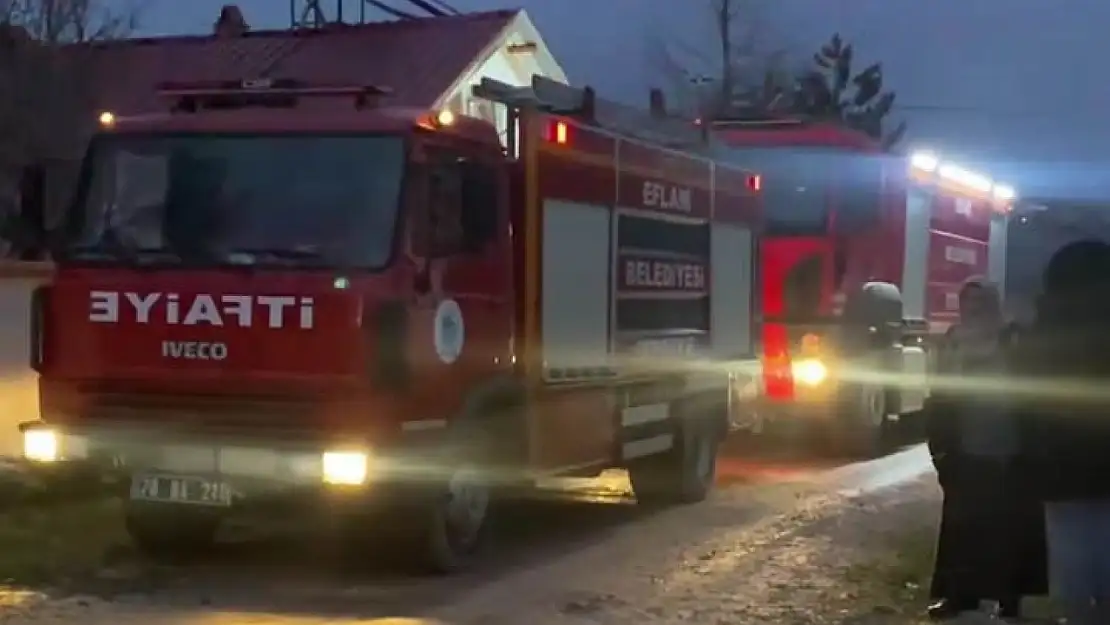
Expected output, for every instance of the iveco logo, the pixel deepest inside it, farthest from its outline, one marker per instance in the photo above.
(194, 350)
(241, 311)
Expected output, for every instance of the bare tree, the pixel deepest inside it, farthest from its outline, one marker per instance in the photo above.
(47, 85)
(70, 21)
(743, 67)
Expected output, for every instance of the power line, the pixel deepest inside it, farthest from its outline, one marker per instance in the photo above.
(394, 12)
(446, 7)
(428, 7)
(981, 111)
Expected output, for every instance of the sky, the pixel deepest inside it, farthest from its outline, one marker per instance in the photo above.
(1016, 88)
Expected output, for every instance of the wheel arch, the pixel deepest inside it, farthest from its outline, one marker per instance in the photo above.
(495, 407)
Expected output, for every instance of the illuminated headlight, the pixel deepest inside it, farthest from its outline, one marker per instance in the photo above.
(40, 445)
(348, 468)
(810, 371)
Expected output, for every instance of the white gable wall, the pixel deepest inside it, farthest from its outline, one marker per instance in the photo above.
(515, 68)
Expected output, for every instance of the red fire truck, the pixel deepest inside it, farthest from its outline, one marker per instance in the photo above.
(861, 261)
(278, 292)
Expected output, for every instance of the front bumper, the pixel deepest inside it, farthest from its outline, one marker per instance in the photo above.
(251, 465)
(809, 404)
(797, 410)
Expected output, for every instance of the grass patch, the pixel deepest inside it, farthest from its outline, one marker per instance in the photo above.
(58, 543)
(57, 522)
(896, 579)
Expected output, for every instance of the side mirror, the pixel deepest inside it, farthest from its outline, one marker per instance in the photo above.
(480, 199)
(422, 219)
(422, 224)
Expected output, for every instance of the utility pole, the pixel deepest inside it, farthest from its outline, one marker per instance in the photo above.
(725, 14)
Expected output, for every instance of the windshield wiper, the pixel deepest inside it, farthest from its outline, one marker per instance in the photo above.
(140, 255)
(251, 255)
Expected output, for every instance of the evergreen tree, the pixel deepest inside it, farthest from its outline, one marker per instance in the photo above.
(830, 90)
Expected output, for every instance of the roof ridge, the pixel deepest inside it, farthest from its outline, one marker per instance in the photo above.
(339, 27)
(428, 55)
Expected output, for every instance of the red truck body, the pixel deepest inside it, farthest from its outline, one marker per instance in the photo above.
(412, 299)
(966, 226)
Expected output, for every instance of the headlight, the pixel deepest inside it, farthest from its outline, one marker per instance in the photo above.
(40, 445)
(810, 371)
(347, 468)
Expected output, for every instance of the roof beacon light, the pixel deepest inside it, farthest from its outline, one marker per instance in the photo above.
(445, 118)
(190, 97)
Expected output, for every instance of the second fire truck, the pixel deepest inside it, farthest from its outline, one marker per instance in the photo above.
(861, 261)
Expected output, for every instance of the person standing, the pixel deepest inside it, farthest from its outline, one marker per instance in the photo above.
(991, 539)
(1064, 368)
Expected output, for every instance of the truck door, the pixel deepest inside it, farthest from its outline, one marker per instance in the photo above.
(460, 245)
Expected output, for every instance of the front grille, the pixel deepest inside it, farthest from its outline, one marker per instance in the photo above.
(75, 405)
(196, 409)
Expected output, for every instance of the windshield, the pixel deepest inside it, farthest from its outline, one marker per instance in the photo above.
(322, 200)
(801, 184)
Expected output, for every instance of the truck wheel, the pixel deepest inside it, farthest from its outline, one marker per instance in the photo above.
(861, 425)
(434, 528)
(685, 473)
(442, 525)
(167, 532)
(457, 520)
(455, 509)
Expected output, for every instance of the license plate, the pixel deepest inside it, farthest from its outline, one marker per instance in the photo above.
(181, 489)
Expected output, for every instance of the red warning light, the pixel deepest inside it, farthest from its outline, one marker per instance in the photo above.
(558, 132)
(755, 183)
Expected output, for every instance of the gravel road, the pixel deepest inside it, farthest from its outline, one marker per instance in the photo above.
(593, 559)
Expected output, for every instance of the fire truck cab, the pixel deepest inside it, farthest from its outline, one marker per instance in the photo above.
(289, 294)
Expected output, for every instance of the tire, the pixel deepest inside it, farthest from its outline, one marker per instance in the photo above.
(685, 473)
(438, 521)
(424, 529)
(454, 510)
(458, 521)
(170, 533)
(861, 424)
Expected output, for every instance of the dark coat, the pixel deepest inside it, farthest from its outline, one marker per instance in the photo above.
(991, 543)
(1063, 364)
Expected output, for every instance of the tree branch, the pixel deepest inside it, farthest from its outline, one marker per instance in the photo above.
(71, 21)
(742, 70)
(46, 86)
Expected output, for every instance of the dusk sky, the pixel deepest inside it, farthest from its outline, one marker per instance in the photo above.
(1016, 87)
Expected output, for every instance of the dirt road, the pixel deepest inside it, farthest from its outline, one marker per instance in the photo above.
(561, 563)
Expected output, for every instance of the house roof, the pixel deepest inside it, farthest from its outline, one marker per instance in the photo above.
(418, 59)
